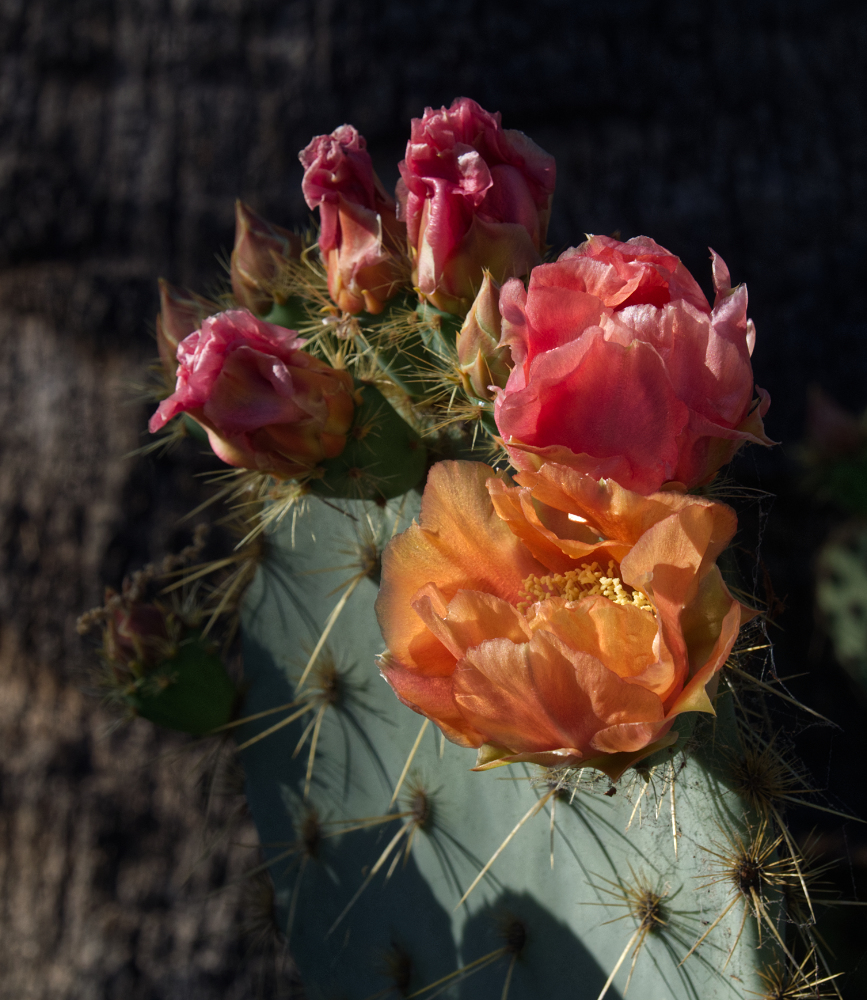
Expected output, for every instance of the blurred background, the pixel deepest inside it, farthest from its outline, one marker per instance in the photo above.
(127, 129)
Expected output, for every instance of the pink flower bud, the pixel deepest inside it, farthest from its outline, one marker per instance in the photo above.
(260, 249)
(623, 370)
(482, 362)
(474, 196)
(181, 312)
(265, 403)
(361, 240)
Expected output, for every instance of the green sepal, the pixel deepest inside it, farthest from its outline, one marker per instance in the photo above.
(195, 429)
(190, 692)
(383, 458)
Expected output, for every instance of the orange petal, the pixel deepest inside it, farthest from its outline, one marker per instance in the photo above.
(542, 696)
(460, 543)
(615, 512)
(469, 619)
(621, 637)
(432, 697)
(629, 736)
(554, 539)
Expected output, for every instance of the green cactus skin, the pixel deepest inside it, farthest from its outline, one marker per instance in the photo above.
(292, 313)
(565, 917)
(384, 457)
(191, 692)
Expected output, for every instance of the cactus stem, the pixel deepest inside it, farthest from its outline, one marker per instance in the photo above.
(252, 718)
(674, 833)
(535, 808)
(643, 903)
(316, 725)
(419, 816)
(397, 965)
(260, 927)
(392, 844)
(505, 994)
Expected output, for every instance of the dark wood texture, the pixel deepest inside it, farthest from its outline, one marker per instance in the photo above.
(127, 128)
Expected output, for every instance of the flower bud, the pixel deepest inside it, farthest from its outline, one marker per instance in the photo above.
(482, 362)
(474, 196)
(260, 249)
(181, 312)
(163, 669)
(137, 636)
(361, 238)
(265, 403)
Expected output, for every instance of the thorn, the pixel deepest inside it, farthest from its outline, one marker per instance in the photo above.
(536, 807)
(406, 766)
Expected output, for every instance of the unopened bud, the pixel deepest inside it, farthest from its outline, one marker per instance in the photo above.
(138, 636)
(482, 362)
(361, 240)
(260, 250)
(181, 313)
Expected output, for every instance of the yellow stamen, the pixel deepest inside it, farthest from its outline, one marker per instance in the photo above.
(585, 581)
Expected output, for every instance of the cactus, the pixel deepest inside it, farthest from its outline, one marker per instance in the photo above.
(375, 828)
(398, 871)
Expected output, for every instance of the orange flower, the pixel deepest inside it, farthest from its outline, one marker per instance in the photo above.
(560, 621)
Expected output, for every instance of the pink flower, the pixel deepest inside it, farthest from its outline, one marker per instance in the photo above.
(361, 240)
(623, 370)
(474, 196)
(264, 402)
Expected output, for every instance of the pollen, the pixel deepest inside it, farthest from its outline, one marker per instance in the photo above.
(585, 581)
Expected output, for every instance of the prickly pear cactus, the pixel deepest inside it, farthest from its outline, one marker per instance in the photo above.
(334, 380)
(380, 839)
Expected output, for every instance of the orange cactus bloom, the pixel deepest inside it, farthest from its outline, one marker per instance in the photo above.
(562, 620)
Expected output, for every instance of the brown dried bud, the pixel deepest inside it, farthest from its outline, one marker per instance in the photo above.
(181, 312)
(260, 249)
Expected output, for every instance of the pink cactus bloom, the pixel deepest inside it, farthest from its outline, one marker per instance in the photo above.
(265, 403)
(624, 371)
(361, 240)
(474, 196)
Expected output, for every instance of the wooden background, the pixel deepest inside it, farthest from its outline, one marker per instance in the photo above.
(127, 128)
